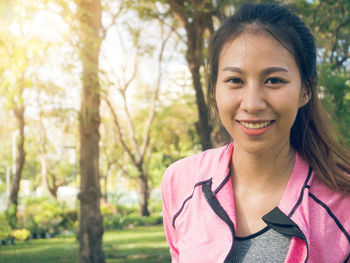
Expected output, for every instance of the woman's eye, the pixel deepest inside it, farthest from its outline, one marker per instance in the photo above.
(274, 81)
(234, 80)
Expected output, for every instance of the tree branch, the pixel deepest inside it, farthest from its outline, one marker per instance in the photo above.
(336, 36)
(129, 120)
(122, 168)
(146, 137)
(178, 9)
(131, 128)
(133, 75)
(113, 22)
(173, 29)
(119, 130)
(340, 62)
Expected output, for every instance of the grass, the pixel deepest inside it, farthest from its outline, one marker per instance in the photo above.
(140, 244)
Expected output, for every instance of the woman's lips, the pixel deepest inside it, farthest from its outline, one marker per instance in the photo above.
(255, 127)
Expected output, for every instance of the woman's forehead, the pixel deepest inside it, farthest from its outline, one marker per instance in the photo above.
(263, 47)
(257, 44)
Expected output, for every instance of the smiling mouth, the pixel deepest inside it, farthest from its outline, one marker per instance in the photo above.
(255, 124)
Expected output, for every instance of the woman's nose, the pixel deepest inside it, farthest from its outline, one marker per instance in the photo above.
(253, 99)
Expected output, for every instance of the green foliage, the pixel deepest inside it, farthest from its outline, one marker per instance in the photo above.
(335, 93)
(136, 220)
(5, 228)
(11, 216)
(69, 220)
(107, 209)
(117, 216)
(42, 215)
(329, 21)
(148, 9)
(174, 129)
(21, 234)
(112, 222)
(125, 210)
(5, 148)
(115, 208)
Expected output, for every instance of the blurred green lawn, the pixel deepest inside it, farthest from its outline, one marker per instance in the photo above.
(140, 244)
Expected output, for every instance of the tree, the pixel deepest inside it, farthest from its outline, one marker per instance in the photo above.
(86, 21)
(15, 78)
(330, 23)
(18, 109)
(197, 19)
(90, 219)
(24, 54)
(50, 176)
(137, 148)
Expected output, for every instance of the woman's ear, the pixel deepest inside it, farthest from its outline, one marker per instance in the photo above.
(305, 96)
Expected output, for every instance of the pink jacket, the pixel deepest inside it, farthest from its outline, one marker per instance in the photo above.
(199, 214)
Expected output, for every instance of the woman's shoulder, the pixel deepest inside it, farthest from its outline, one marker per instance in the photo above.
(187, 172)
(319, 188)
(334, 203)
(198, 162)
(185, 176)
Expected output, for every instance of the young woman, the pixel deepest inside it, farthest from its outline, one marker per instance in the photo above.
(281, 191)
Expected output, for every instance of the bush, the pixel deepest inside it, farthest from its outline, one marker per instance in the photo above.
(41, 216)
(45, 217)
(111, 222)
(125, 210)
(136, 220)
(70, 219)
(5, 229)
(20, 234)
(108, 209)
(119, 222)
(11, 216)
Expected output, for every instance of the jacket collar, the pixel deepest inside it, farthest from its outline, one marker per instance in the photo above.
(223, 167)
(299, 179)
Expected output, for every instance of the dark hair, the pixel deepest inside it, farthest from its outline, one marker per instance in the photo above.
(311, 134)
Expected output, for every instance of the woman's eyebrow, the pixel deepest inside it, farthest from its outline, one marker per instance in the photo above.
(233, 69)
(265, 71)
(273, 69)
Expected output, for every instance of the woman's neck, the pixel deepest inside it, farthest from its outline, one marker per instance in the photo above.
(262, 172)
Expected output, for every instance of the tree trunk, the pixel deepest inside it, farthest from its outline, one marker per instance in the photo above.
(90, 219)
(44, 175)
(16, 179)
(47, 187)
(196, 22)
(203, 126)
(194, 57)
(143, 193)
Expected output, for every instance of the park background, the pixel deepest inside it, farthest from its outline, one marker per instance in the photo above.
(98, 97)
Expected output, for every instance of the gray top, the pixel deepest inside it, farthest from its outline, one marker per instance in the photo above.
(266, 245)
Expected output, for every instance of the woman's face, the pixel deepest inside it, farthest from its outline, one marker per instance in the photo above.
(258, 92)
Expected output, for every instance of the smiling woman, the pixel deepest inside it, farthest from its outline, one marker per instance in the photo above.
(280, 191)
(258, 93)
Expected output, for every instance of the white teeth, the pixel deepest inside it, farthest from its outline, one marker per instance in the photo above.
(252, 125)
